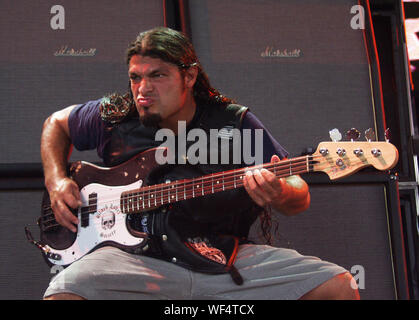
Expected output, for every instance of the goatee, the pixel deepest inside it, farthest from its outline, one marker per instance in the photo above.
(151, 120)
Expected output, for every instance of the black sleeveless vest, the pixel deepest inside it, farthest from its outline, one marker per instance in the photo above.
(224, 218)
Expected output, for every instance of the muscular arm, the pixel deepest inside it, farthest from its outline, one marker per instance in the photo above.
(55, 149)
(289, 195)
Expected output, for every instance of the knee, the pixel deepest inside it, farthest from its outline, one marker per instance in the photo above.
(340, 287)
(64, 296)
(344, 287)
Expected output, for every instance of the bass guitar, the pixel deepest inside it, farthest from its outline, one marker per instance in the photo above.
(110, 195)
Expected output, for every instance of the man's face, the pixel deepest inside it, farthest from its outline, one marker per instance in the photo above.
(161, 93)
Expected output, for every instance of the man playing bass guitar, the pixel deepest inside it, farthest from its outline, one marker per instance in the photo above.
(197, 248)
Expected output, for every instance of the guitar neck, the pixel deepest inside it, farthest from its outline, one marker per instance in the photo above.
(152, 197)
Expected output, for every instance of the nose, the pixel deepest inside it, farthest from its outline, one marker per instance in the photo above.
(145, 86)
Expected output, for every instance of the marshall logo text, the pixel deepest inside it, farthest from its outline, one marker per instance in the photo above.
(270, 52)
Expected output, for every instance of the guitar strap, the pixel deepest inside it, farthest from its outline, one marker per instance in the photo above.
(185, 253)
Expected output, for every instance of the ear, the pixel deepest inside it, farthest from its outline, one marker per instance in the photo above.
(190, 76)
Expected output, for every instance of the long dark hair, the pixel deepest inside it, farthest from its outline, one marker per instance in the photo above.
(174, 47)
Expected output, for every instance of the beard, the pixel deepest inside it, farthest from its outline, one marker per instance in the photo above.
(151, 119)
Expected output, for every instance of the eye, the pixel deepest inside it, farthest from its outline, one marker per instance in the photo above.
(157, 75)
(134, 77)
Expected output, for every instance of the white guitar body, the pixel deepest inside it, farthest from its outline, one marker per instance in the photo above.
(105, 225)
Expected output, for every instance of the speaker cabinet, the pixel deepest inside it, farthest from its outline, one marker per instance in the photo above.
(355, 225)
(306, 67)
(24, 273)
(53, 55)
(409, 206)
(303, 67)
(59, 55)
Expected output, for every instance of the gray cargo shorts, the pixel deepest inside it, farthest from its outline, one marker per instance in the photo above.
(268, 273)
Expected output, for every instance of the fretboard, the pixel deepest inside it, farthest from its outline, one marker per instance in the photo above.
(154, 196)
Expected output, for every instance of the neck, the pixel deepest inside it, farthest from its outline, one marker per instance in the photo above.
(154, 196)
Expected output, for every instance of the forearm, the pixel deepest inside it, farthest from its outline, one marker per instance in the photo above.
(294, 197)
(55, 149)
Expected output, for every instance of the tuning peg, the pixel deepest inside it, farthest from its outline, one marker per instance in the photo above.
(369, 134)
(353, 134)
(387, 135)
(335, 135)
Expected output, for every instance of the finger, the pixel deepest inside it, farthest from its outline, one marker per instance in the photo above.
(73, 190)
(65, 217)
(253, 189)
(72, 200)
(273, 181)
(76, 193)
(275, 158)
(259, 201)
(265, 180)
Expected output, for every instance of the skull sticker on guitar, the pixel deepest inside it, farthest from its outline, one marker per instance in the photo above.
(108, 220)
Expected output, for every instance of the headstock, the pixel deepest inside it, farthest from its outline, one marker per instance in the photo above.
(343, 158)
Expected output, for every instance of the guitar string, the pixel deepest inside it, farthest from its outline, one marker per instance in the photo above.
(182, 184)
(227, 184)
(229, 174)
(199, 188)
(185, 186)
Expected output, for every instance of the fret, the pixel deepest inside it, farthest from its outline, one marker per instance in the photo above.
(290, 169)
(184, 189)
(123, 203)
(132, 202)
(308, 167)
(168, 195)
(149, 197)
(126, 207)
(193, 189)
(223, 181)
(234, 177)
(126, 203)
(202, 185)
(172, 196)
(212, 183)
(155, 197)
(152, 197)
